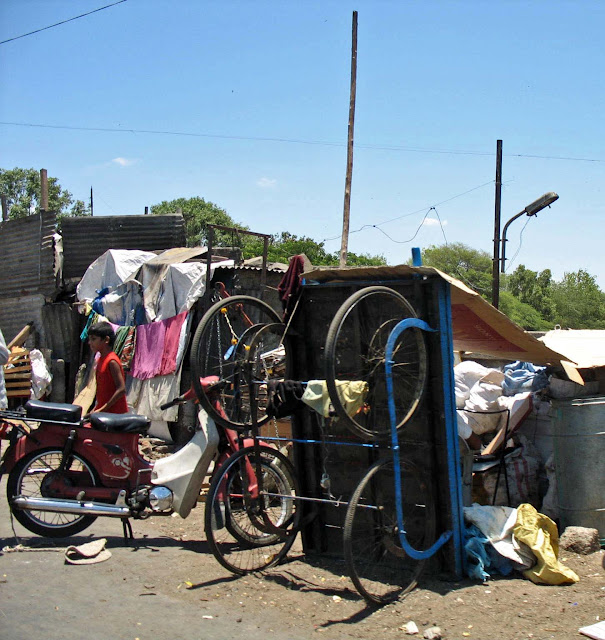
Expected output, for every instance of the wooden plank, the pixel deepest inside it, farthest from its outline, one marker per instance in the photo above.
(21, 337)
(19, 385)
(17, 375)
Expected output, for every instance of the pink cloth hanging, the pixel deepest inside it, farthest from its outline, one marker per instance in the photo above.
(171, 343)
(149, 349)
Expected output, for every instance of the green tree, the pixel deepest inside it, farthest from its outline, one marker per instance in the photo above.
(285, 245)
(579, 303)
(534, 289)
(522, 314)
(198, 214)
(22, 189)
(471, 266)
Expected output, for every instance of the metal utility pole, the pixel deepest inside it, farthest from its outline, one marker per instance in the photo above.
(43, 190)
(344, 246)
(91, 203)
(496, 260)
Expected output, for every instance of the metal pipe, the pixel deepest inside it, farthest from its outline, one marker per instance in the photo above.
(71, 506)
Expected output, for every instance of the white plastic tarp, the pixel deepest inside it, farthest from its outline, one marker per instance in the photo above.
(110, 270)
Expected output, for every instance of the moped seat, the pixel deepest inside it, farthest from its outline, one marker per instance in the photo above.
(53, 411)
(120, 422)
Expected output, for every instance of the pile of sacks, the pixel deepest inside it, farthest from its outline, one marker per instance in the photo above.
(484, 395)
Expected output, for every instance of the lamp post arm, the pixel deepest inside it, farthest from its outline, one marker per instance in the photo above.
(503, 258)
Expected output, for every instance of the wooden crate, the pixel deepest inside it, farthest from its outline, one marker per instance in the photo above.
(18, 373)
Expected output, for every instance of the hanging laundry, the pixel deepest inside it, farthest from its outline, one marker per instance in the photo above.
(124, 345)
(171, 343)
(147, 360)
(352, 394)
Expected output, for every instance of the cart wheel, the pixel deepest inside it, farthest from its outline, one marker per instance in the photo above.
(378, 566)
(355, 350)
(219, 348)
(240, 526)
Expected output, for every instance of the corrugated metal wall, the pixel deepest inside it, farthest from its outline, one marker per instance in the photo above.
(28, 256)
(85, 239)
(27, 248)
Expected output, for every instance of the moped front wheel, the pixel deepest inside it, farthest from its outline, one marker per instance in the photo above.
(37, 476)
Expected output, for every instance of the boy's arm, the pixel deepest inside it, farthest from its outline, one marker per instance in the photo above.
(118, 380)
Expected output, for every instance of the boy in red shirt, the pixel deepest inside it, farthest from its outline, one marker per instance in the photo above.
(111, 388)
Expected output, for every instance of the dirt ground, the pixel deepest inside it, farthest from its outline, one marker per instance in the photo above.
(307, 596)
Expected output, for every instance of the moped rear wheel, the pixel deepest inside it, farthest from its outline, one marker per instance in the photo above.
(32, 476)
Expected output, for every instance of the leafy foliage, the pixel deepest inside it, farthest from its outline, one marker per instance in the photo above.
(471, 266)
(285, 245)
(579, 302)
(22, 188)
(534, 289)
(522, 314)
(198, 214)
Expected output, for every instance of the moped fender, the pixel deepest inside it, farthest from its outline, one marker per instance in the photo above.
(23, 447)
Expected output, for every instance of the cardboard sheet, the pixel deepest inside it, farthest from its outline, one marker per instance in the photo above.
(477, 326)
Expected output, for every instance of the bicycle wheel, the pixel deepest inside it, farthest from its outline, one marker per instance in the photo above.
(236, 515)
(378, 566)
(355, 350)
(38, 476)
(219, 348)
(266, 360)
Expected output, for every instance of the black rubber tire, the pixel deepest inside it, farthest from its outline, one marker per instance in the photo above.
(222, 330)
(251, 533)
(378, 566)
(45, 523)
(224, 524)
(262, 365)
(355, 350)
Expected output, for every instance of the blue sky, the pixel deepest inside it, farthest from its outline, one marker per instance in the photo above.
(255, 98)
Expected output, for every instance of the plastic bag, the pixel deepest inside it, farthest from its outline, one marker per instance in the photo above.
(41, 376)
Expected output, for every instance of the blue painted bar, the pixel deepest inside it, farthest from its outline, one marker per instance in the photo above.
(408, 323)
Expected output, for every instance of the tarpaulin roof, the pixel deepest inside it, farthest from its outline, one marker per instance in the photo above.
(477, 326)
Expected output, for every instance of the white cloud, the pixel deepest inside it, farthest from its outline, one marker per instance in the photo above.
(266, 183)
(123, 162)
(433, 222)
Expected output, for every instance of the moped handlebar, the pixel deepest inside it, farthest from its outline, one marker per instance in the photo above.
(210, 384)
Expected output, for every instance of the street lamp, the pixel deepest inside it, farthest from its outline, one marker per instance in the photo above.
(530, 210)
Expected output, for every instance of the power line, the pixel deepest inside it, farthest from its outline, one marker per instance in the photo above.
(31, 33)
(407, 215)
(324, 143)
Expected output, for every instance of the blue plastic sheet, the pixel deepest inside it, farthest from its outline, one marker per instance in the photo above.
(481, 556)
(523, 376)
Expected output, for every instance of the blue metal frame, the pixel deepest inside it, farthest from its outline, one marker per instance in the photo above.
(450, 426)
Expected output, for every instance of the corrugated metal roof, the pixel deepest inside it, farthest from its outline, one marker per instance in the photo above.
(85, 239)
(27, 248)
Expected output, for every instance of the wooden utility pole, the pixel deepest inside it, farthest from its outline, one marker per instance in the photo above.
(344, 246)
(496, 260)
(91, 202)
(4, 208)
(43, 190)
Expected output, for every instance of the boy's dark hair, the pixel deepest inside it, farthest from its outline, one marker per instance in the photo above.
(102, 330)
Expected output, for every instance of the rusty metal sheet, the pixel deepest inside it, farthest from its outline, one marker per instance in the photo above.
(85, 239)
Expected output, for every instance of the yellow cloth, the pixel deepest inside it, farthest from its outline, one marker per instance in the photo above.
(539, 533)
(352, 394)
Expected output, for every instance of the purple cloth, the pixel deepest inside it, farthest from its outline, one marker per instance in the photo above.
(147, 360)
(171, 343)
